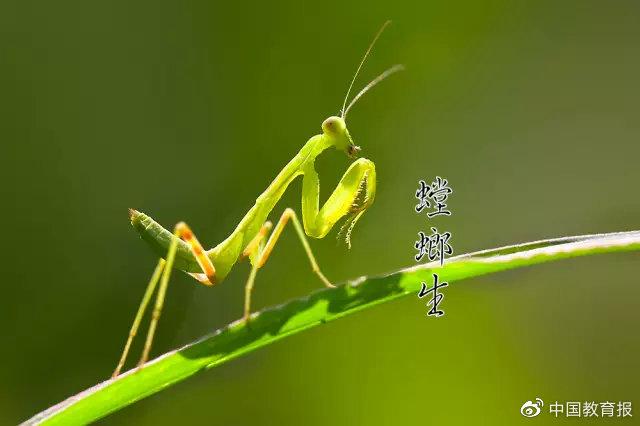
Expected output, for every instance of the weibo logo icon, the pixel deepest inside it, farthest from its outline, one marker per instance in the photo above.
(530, 408)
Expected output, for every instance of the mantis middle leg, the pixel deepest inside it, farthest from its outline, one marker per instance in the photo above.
(259, 252)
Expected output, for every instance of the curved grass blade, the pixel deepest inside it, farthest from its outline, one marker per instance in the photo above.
(273, 324)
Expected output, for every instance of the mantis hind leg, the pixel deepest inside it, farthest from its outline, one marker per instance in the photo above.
(258, 251)
(161, 274)
(138, 318)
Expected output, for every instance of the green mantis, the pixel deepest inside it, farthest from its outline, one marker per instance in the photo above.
(255, 236)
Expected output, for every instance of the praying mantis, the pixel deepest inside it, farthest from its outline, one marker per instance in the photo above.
(255, 237)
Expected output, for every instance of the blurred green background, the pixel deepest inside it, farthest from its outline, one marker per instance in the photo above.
(187, 110)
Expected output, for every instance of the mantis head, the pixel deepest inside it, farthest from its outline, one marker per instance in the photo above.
(335, 129)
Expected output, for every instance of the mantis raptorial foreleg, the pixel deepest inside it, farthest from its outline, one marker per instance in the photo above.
(162, 273)
(259, 253)
(353, 195)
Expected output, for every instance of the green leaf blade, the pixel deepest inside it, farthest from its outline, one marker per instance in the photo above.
(273, 324)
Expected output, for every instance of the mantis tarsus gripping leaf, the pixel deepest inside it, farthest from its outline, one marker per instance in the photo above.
(254, 237)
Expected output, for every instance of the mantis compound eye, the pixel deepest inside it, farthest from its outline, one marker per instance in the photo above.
(333, 125)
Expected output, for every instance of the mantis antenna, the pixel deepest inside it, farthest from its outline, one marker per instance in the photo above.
(364, 58)
(394, 69)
